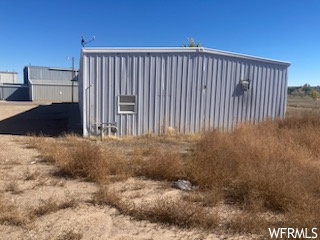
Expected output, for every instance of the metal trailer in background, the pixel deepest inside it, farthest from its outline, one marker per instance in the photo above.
(14, 92)
(136, 91)
(51, 84)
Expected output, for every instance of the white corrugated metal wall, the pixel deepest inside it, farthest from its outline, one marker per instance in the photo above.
(188, 90)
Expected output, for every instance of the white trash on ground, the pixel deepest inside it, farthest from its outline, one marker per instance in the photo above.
(184, 185)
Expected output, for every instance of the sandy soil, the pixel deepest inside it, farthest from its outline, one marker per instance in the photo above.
(27, 182)
(18, 163)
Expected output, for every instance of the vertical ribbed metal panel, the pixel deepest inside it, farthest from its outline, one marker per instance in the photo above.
(49, 74)
(187, 91)
(14, 92)
(54, 92)
(8, 77)
(51, 84)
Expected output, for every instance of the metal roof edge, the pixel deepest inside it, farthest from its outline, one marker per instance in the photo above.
(52, 68)
(139, 49)
(245, 56)
(182, 49)
(64, 69)
(52, 83)
(8, 72)
(13, 85)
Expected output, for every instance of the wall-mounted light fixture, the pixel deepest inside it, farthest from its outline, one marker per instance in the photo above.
(245, 85)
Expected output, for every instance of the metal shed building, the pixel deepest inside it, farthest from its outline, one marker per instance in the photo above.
(135, 91)
(8, 77)
(14, 92)
(51, 84)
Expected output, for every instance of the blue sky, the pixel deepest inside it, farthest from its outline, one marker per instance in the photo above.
(47, 32)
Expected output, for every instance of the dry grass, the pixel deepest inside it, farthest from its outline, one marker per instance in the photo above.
(248, 222)
(301, 105)
(177, 212)
(273, 166)
(81, 158)
(270, 168)
(9, 214)
(164, 210)
(158, 165)
(28, 175)
(13, 187)
(70, 235)
(51, 205)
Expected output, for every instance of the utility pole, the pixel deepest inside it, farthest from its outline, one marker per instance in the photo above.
(73, 79)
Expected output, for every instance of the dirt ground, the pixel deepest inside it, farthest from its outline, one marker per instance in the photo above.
(298, 105)
(29, 185)
(18, 162)
(50, 119)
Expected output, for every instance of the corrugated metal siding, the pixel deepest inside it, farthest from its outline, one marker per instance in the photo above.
(14, 92)
(8, 77)
(48, 74)
(51, 84)
(189, 92)
(54, 92)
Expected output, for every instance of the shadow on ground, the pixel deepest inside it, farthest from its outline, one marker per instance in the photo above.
(51, 120)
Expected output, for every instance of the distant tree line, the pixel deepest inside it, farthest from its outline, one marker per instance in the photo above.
(305, 90)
